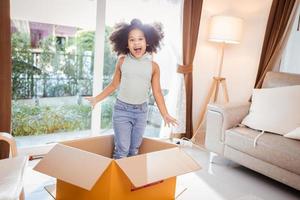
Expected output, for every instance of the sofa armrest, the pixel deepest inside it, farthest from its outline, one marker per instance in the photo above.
(11, 141)
(220, 118)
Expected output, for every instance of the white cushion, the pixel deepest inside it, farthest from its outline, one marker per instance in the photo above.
(275, 110)
(294, 134)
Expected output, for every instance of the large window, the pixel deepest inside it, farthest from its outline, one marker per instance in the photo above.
(52, 56)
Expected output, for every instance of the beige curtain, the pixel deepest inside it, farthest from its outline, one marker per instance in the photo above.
(5, 74)
(279, 25)
(191, 20)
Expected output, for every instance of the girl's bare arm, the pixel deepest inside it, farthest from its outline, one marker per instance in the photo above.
(114, 84)
(159, 98)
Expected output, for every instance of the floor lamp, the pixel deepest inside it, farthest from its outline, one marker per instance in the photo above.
(223, 30)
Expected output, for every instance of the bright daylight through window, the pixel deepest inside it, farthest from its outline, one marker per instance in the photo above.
(53, 52)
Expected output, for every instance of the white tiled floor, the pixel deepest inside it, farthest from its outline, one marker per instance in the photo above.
(230, 182)
(212, 182)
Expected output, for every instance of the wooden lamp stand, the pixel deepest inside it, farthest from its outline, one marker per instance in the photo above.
(214, 92)
(223, 29)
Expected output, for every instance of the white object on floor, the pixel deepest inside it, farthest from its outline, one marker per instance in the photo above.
(11, 177)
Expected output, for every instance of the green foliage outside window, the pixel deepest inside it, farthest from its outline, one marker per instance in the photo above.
(35, 120)
(58, 68)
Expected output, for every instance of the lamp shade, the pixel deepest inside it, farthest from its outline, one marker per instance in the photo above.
(225, 29)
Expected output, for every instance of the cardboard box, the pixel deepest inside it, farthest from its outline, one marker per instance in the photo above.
(85, 171)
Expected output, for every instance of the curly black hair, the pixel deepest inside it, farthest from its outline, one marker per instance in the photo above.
(119, 37)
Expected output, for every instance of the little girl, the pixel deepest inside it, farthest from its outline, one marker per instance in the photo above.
(134, 73)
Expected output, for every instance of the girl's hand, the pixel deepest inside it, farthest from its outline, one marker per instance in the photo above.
(92, 101)
(170, 120)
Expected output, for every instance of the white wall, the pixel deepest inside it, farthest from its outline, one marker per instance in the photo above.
(240, 61)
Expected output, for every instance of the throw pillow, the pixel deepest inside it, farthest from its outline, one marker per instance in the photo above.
(275, 110)
(295, 134)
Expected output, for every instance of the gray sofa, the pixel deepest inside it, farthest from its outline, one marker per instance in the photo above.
(274, 156)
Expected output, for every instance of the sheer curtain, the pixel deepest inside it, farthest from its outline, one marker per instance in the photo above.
(290, 61)
(168, 58)
(175, 99)
(183, 82)
(279, 25)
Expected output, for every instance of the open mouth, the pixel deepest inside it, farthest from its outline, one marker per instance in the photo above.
(137, 50)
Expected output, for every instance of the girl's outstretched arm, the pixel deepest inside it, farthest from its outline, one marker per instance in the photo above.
(114, 84)
(156, 89)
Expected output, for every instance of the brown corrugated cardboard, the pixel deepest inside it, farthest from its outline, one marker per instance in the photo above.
(73, 165)
(102, 145)
(84, 175)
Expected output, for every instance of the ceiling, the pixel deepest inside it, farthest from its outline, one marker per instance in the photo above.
(76, 13)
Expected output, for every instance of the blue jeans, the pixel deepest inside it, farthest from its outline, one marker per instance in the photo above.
(129, 123)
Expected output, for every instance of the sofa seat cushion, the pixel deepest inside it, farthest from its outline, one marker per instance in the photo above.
(272, 148)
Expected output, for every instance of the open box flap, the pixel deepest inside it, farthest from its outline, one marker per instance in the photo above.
(102, 145)
(156, 166)
(80, 168)
(151, 144)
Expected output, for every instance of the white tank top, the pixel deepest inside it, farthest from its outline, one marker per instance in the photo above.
(136, 74)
